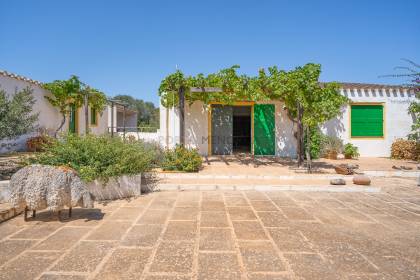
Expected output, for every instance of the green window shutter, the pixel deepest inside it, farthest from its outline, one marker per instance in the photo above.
(367, 121)
(93, 116)
(72, 118)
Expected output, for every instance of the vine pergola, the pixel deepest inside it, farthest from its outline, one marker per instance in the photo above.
(308, 102)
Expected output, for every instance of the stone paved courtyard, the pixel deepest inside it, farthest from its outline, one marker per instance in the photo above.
(224, 235)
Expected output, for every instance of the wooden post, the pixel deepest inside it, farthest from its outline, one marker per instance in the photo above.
(86, 103)
(181, 105)
(112, 119)
(124, 123)
(25, 214)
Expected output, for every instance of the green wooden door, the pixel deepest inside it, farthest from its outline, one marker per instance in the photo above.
(72, 119)
(264, 129)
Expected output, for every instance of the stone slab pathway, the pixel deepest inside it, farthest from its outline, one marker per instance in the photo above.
(224, 235)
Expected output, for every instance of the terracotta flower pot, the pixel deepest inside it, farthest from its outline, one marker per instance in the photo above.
(348, 156)
(332, 155)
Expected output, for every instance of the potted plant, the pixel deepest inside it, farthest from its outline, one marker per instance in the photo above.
(332, 147)
(350, 151)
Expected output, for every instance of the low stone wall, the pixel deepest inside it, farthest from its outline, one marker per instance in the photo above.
(4, 191)
(145, 136)
(116, 188)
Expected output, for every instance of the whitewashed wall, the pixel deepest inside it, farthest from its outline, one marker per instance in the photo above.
(196, 127)
(169, 127)
(397, 123)
(145, 136)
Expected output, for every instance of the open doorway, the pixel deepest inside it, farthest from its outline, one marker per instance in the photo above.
(241, 129)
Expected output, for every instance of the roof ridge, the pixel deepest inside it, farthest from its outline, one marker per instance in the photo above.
(352, 85)
(20, 78)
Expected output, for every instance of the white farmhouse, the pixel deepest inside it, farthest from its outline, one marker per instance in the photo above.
(113, 119)
(376, 116)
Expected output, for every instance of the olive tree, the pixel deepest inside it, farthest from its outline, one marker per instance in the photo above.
(16, 113)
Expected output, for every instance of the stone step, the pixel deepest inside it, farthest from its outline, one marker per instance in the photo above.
(7, 212)
(371, 173)
(242, 182)
(267, 187)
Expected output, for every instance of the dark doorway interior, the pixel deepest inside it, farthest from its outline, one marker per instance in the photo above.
(242, 129)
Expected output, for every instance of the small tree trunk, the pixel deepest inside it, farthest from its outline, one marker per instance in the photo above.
(61, 126)
(308, 150)
(181, 105)
(300, 148)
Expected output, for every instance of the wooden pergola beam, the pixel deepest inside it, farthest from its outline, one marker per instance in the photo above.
(205, 89)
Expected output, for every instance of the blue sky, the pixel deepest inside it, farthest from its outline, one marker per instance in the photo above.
(127, 47)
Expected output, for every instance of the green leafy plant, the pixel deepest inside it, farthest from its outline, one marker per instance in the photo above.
(316, 142)
(181, 159)
(73, 91)
(97, 157)
(414, 110)
(351, 151)
(16, 117)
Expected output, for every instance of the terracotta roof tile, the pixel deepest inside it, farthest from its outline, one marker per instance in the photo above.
(20, 78)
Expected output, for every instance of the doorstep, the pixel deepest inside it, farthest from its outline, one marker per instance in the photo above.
(303, 188)
(371, 173)
(403, 174)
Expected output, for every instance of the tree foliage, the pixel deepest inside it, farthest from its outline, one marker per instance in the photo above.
(147, 113)
(72, 91)
(16, 117)
(270, 84)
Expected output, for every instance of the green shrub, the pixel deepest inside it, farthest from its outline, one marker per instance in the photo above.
(155, 150)
(98, 157)
(351, 151)
(181, 159)
(317, 140)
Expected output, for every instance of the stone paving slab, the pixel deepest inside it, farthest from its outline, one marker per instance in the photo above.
(224, 235)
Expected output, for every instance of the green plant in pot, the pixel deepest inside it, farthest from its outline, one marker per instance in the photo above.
(350, 151)
(332, 146)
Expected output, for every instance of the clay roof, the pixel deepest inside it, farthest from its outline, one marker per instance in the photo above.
(20, 78)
